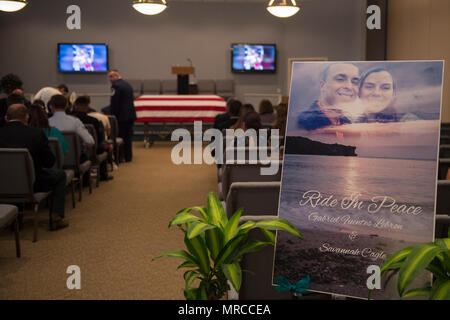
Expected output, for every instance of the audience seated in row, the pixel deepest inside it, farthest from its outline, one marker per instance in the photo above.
(17, 134)
(266, 112)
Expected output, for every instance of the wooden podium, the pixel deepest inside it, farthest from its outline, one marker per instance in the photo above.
(183, 78)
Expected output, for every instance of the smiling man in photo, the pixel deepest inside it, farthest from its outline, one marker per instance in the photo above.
(339, 87)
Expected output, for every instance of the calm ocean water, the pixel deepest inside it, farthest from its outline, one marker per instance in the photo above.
(409, 182)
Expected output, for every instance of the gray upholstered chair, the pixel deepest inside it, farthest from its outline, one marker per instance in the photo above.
(206, 87)
(137, 86)
(225, 88)
(116, 141)
(72, 161)
(247, 172)
(55, 146)
(151, 86)
(257, 198)
(169, 86)
(9, 214)
(97, 159)
(17, 181)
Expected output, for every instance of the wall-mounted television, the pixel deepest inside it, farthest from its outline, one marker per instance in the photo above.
(83, 57)
(253, 58)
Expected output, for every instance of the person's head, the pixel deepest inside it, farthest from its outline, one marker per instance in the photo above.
(265, 106)
(377, 89)
(246, 108)
(339, 84)
(58, 103)
(17, 112)
(15, 98)
(38, 117)
(39, 102)
(252, 120)
(63, 89)
(282, 112)
(113, 75)
(234, 107)
(11, 83)
(82, 104)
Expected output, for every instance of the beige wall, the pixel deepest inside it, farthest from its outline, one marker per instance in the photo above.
(420, 30)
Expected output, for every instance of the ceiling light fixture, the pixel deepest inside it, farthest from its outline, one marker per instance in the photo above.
(12, 5)
(150, 7)
(283, 8)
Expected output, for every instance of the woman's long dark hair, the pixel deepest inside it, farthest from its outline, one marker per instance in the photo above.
(38, 117)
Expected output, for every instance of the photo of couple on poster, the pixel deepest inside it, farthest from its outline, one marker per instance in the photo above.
(365, 133)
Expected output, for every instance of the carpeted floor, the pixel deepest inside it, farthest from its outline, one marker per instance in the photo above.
(113, 235)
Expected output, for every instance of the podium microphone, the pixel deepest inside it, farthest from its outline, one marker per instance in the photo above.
(190, 61)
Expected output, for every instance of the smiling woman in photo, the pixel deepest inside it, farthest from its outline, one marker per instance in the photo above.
(377, 93)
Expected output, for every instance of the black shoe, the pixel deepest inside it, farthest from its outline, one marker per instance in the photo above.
(59, 224)
(107, 178)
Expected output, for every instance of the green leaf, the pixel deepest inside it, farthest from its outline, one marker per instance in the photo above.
(229, 249)
(417, 292)
(436, 268)
(246, 227)
(269, 235)
(197, 248)
(251, 246)
(178, 254)
(419, 258)
(399, 256)
(278, 224)
(444, 256)
(189, 277)
(442, 291)
(234, 274)
(183, 218)
(214, 241)
(201, 292)
(187, 264)
(216, 213)
(231, 227)
(190, 294)
(196, 228)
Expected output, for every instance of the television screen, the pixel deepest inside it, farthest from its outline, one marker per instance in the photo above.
(82, 57)
(254, 58)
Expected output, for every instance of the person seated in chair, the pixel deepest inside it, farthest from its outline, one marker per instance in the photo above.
(17, 134)
(81, 111)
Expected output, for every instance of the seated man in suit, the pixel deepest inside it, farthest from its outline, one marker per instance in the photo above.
(226, 120)
(17, 134)
(81, 111)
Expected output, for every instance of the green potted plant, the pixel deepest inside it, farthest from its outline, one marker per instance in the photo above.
(215, 246)
(411, 261)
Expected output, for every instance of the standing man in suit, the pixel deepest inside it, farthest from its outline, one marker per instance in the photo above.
(122, 106)
(17, 134)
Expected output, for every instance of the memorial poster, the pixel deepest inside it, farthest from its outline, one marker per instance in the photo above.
(360, 170)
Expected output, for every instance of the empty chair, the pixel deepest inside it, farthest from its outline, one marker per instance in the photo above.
(248, 172)
(225, 88)
(169, 86)
(55, 146)
(151, 87)
(116, 141)
(257, 198)
(442, 225)
(443, 197)
(137, 86)
(72, 161)
(17, 181)
(206, 86)
(9, 214)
